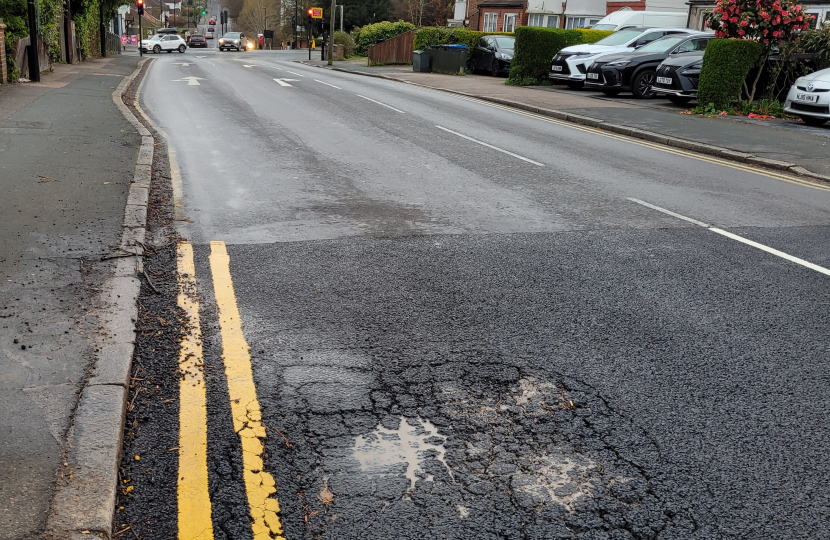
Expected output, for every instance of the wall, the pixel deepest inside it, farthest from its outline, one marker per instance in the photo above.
(611, 7)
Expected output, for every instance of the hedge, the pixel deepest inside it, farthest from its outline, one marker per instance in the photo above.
(375, 33)
(536, 47)
(428, 36)
(726, 64)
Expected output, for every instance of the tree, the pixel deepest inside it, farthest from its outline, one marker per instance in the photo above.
(770, 22)
(257, 15)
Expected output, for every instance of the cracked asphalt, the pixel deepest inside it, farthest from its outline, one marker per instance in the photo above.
(451, 341)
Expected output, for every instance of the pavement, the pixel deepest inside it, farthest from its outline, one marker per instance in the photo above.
(414, 314)
(67, 156)
(789, 141)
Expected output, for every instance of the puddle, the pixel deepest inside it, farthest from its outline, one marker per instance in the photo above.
(384, 451)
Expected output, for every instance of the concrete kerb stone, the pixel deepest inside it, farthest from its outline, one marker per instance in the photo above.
(85, 506)
(718, 151)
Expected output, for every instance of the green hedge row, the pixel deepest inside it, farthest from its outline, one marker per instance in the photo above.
(428, 36)
(536, 47)
(375, 33)
(726, 64)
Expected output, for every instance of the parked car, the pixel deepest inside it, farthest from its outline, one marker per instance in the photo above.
(493, 54)
(636, 71)
(622, 19)
(677, 77)
(809, 98)
(197, 40)
(233, 40)
(571, 63)
(163, 42)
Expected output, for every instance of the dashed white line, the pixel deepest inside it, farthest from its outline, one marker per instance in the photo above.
(762, 247)
(496, 148)
(327, 84)
(293, 73)
(379, 103)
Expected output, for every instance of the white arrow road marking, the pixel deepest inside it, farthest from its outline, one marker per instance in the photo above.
(496, 148)
(248, 66)
(191, 81)
(284, 82)
(327, 84)
(185, 64)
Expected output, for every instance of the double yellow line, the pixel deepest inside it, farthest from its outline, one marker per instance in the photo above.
(194, 516)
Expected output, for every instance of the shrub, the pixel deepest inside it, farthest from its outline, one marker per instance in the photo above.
(592, 36)
(535, 48)
(817, 43)
(344, 39)
(726, 64)
(375, 33)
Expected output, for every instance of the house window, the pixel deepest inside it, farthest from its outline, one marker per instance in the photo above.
(553, 21)
(490, 21)
(536, 19)
(580, 22)
(509, 22)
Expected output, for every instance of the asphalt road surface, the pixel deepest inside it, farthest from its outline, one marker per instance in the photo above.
(424, 316)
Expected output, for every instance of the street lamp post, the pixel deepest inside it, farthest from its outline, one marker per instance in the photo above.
(331, 30)
(264, 25)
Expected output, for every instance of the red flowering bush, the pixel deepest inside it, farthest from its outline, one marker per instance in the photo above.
(770, 22)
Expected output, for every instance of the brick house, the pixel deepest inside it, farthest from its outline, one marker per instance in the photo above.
(500, 15)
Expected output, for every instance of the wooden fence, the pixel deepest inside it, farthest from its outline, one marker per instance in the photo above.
(397, 50)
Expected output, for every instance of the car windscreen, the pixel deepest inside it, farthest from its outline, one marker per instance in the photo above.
(618, 38)
(505, 42)
(663, 44)
(604, 27)
(210, 29)
(232, 35)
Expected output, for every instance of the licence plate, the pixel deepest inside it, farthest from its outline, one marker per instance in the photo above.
(810, 98)
(593, 75)
(556, 68)
(663, 80)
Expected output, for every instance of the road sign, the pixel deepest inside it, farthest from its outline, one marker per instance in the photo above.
(316, 12)
(268, 34)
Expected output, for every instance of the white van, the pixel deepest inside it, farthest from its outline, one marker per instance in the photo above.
(627, 18)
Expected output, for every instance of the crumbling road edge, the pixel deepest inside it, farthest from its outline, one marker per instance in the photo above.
(85, 504)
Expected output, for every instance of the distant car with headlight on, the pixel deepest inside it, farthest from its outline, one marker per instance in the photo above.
(809, 98)
(233, 40)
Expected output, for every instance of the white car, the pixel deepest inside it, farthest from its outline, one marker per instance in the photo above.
(809, 98)
(571, 63)
(164, 42)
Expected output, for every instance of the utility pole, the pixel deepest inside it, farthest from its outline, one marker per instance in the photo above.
(341, 17)
(331, 30)
(102, 31)
(34, 62)
(296, 20)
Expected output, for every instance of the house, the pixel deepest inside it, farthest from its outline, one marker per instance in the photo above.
(506, 15)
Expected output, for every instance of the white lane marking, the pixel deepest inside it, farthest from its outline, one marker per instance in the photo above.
(185, 64)
(496, 148)
(379, 103)
(327, 84)
(768, 249)
(669, 212)
(762, 247)
(248, 66)
(284, 82)
(191, 81)
(293, 73)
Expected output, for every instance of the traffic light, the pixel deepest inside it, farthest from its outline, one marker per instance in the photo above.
(293, 22)
(140, 4)
(310, 12)
(204, 12)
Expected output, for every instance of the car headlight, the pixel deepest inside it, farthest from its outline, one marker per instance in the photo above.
(584, 55)
(502, 56)
(619, 63)
(221, 41)
(236, 42)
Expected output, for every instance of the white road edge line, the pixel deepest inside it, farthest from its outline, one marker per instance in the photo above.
(762, 247)
(293, 73)
(517, 156)
(669, 212)
(379, 103)
(327, 84)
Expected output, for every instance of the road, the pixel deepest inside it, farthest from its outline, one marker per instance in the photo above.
(425, 316)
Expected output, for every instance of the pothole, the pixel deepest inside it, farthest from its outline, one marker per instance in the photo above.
(415, 441)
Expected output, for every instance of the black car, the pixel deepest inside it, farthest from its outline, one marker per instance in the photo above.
(197, 40)
(636, 71)
(677, 77)
(493, 54)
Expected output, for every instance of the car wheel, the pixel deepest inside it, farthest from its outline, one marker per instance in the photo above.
(575, 85)
(495, 68)
(473, 65)
(641, 85)
(813, 121)
(156, 49)
(680, 100)
(611, 93)
(182, 48)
